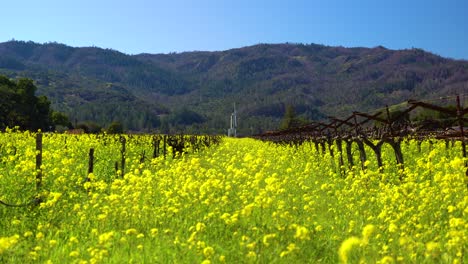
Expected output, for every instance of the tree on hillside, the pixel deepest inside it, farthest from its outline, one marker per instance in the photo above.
(60, 119)
(290, 118)
(115, 128)
(19, 106)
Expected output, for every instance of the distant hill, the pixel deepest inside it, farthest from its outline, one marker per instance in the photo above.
(195, 91)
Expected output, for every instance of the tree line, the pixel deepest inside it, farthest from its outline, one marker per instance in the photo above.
(20, 107)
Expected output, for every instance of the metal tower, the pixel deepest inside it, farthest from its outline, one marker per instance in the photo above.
(232, 131)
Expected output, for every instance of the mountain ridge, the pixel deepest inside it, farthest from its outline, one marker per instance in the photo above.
(148, 90)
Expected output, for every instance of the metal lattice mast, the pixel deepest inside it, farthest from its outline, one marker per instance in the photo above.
(232, 131)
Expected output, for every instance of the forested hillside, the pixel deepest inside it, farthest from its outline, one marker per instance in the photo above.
(195, 91)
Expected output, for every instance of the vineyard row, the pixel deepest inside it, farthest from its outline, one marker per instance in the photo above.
(162, 145)
(374, 130)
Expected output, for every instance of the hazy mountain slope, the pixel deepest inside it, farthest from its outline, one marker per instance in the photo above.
(260, 79)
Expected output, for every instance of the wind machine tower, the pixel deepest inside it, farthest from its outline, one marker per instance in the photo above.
(232, 131)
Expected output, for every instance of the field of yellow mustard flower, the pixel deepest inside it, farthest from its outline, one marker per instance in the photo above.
(242, 201)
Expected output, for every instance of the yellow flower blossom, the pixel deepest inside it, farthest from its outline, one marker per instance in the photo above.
(302, 233)
(346, 248)
(386, 260)
(208, 252)
(432, 249)
(39, 235)
(131, 231)
(245, 208)
(289, 249)
(367, 232)
(251, 255)
(267, 239)
(8, 242)
(105, 237)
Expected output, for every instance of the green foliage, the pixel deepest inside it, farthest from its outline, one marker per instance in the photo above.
(60, 119)
(90, 127)
(115, 128)
(185, 116)
(431, 119)
(291, 119)
(20, 107)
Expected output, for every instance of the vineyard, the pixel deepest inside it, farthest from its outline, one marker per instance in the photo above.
(179, 199)
(378, 128)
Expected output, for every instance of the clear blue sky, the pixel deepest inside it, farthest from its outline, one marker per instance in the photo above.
(137, 26)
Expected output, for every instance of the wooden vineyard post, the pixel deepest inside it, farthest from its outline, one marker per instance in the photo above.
(155, 147)
(38, 160)
(142, 157)
(90, 163)
(123, 140)
(164, 145)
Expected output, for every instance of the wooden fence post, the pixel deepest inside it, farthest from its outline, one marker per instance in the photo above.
(142, 157)
(156, 141)
(38, 160)
(164, 145)
(123, 140)
(90, 163)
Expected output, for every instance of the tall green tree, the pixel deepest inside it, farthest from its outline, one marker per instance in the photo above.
(60, 119)
(19, 106)
(290, 118)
